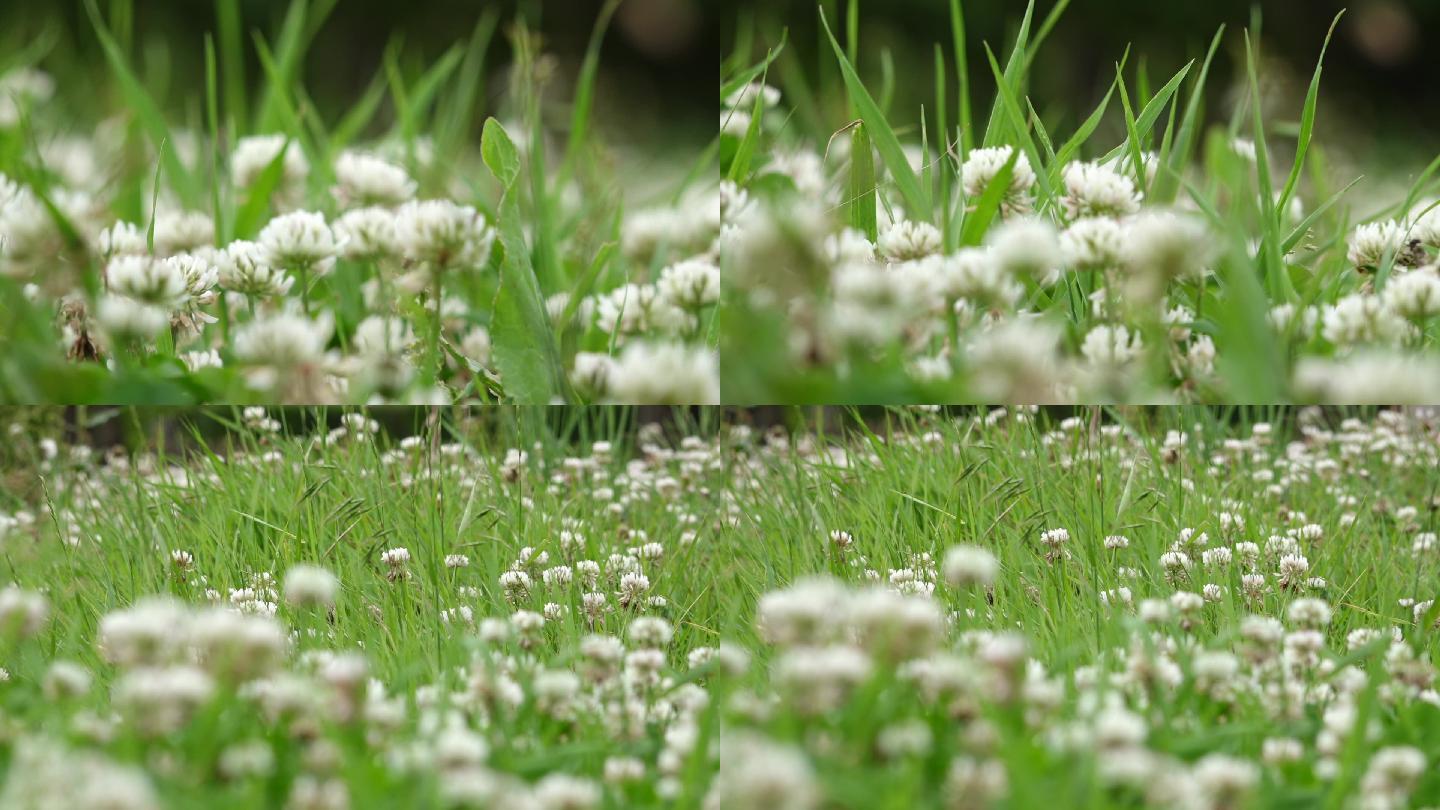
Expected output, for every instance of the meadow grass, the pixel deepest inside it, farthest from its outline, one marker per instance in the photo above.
(460, 244)
(481, 667)
(993, 247)
(1125, 608)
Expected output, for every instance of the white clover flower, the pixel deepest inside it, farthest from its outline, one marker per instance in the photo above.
(122, 239)
(149, 633)
(590, 374)
(161, 700)
(664, 373)
(443, 234)
(200, 359)
(745, 97)
(982, 166)
(380, 336)
(20, 88)
(1369, 377)
(367, 233)
(151, 281)
(734, 122)
(967, 566)
(244, 267)
(127, 320)
(1414, 295)
(686, 229)
(255, 153)
(363, 179)
(283, 340)
(1096, 243)
(1284, 317)
(971, 273)
(691, 284)
(476, 346)
(1167, 245)
(199, 277)
(300, 240)
(1112, 347)
(1425, 228)
(183, 231)
(849, 246)
(906, 240)
(1027, 248)
(1360, 318)
(1016, 360)
(1309, 613)
(1224, 780)
(1371, 243)
(22, 613)
(634, 308)
(1093, 190)
(311, 586)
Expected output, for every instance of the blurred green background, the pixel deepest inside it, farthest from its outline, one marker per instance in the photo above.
(654, 87)
(1380, 95)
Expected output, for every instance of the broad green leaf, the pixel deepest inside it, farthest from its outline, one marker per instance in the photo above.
(499, 153)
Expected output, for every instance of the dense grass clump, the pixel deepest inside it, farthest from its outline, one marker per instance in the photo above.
(1020, 254)
(435, 241)
(1168, 609)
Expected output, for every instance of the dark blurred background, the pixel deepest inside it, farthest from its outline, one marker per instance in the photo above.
(657, 63)
(1380, 95)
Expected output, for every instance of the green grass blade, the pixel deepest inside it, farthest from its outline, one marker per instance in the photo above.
(1150, 114)
(977, 222)
(1071, 147)
(459, 108)
(1307, 121)
(146, 110)
(740, 164)
(1013, 78)
(212, 123)
(525, 350)
(1187, 137)
(1309, 221)
(917, 202)
(585, 92)
(744, 77)
(1011, 106)
(289, 47)
(860, 196)
(232, 58)
(1271, 262)
(962, 75)
(248, 219)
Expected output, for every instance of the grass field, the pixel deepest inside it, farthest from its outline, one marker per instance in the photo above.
(503, 610)
(218, 239)
(510, 608)
(1005, 248)
(1170, 608)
